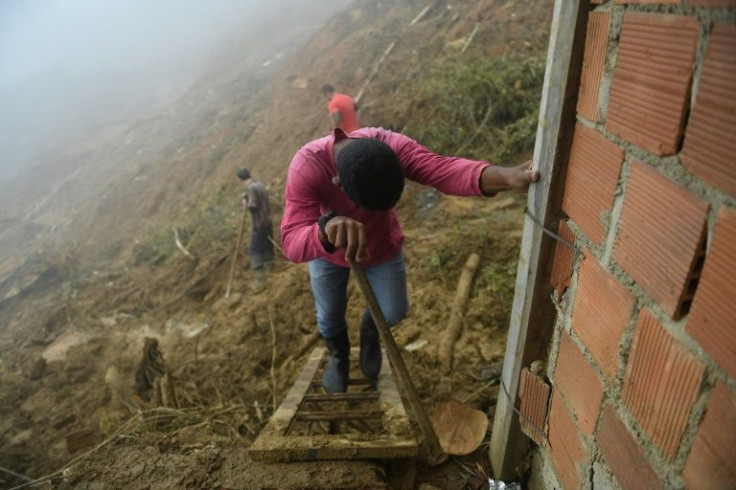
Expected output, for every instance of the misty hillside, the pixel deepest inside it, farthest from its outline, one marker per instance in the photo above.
(71, 193)
(87, 251)
(71, 68)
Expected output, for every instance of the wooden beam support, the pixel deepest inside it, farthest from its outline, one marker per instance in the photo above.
(533, 314)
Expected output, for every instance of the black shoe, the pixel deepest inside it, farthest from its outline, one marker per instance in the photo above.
(370, 347)
(337, 372)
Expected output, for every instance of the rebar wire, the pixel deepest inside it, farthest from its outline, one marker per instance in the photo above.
(551, 233)
(577, 250)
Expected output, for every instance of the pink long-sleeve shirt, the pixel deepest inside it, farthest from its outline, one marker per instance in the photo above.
(310, 192)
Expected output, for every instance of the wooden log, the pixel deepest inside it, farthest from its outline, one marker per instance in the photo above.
(455, 326)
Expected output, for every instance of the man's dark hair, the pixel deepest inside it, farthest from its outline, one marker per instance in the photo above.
(327, 88)
(370, 173)
(243, 174)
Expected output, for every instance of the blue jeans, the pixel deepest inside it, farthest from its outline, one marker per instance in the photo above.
(329, 286)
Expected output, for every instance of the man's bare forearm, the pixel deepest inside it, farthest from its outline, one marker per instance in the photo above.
(495, 179)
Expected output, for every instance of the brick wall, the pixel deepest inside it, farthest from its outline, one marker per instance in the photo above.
(643, 359)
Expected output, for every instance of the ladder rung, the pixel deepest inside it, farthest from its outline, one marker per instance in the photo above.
(343, 415)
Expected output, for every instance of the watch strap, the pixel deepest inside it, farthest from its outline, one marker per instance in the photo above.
(322, 223)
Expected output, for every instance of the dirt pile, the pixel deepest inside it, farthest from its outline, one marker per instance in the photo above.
(76, 313)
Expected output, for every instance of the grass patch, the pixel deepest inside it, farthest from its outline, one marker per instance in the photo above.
(483, 109)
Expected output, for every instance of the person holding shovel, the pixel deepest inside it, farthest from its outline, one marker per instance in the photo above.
(340, 195)
(260, 250)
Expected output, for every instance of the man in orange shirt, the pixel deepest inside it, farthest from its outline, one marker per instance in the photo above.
(341, 108)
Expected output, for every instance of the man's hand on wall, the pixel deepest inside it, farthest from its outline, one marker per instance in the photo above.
(496, 179)
(521, 176)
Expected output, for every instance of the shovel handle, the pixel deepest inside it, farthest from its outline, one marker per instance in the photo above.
(436, 455)
(235, 252)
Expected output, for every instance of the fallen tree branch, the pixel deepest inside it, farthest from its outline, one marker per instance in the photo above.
(452, 332)
(177, 241)
(421, 14)
(470, 38)
(374, 71)
(14, 474)
(478, 129)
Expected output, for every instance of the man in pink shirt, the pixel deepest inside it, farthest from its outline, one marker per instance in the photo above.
(340, 195)
(341, 108)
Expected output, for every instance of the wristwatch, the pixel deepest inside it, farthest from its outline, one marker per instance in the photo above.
(322, 223)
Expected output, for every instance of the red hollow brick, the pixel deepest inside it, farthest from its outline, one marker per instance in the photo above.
(709, 146)
(562, 261)
(594, 59)
(579, 385)
(651, 85)
(661, 237)
(712, 321)
(600, 315)
(534, 395)
(591, 181)
(568, 453)
(710, 464)
(661, 384)
(623, 454)
(713, 3)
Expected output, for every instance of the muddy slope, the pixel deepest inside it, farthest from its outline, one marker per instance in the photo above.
(87, 275)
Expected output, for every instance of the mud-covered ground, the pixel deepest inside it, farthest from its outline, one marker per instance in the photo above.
(79, 298)
(220, 353)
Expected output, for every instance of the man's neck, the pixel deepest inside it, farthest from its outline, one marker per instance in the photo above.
(339, 145)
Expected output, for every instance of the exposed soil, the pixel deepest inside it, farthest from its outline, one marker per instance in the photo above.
(89, 269)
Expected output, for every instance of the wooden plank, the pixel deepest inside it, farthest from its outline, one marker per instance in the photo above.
(338, 415)
(346, 446)
(395, 441)
(532, 315)
(282, 418)
(341, 397)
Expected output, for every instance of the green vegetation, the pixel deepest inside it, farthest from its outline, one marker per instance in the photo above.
(480, 108)
(209, 225)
